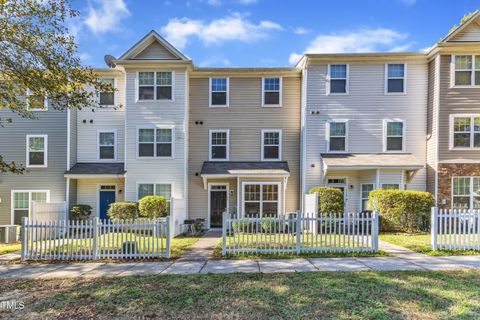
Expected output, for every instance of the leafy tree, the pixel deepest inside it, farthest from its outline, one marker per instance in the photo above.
(38, 53)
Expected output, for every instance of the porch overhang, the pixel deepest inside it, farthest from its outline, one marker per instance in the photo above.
(96, 171)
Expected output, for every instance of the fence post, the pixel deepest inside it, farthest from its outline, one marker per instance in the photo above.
(95, 238)
(375, 231)
(167, 221)
(434, 228)
(299, 228)
(224, 234)
(24, 237)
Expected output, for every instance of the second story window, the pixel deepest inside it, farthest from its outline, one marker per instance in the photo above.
(395, 78)
(219, 145)
(394, 137)
(106, 145)
(271, 145)
(218, 92)
(107, 98)
(338, 78)
(466, 132)
(467, 70)
(155, 86)
(36, 102)
(337, 136)
(37, 147)
(272, 92)
(155, 143)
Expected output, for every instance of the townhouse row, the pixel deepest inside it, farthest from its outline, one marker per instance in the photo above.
(255, 140)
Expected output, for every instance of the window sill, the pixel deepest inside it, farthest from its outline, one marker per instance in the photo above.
(395, 93)
(36, 167)
(154, 100)
(271, 160)
(338, 93)
(37, 110)
(218, 106)
(465, 149)
(271, 106)
(217, 160)
(154, 158)
(465, 87)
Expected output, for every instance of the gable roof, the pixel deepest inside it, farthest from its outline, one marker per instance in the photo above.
(461, 27)
(146, 41)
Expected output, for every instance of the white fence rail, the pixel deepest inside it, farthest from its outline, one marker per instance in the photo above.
(95, 239)
(300, 233)
(48, 211)
(455, 229)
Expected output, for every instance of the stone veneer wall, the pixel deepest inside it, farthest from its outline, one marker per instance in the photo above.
(445, 173)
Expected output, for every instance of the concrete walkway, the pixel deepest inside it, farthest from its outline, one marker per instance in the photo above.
(203, 248)
(399, 252)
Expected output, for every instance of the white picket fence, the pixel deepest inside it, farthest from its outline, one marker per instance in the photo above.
(300, 233)
(48, 211)
(455, 229)
(95, 239)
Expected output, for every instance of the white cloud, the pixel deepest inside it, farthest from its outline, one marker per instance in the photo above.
(362, 40)
(231, 28)
(106, 15)
(301, 30)
(214, 3)
(215, 61)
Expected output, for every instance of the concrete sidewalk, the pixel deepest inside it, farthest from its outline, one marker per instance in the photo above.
(87, 270)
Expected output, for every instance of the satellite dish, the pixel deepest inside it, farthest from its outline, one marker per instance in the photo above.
(109, 60)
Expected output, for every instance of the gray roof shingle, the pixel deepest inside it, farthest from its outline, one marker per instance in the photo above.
(245, 167)
(97, 168)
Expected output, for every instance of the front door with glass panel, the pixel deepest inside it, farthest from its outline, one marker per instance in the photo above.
(218, 204)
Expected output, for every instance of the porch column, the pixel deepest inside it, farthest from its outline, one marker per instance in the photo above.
(377, 179)
(238, 195)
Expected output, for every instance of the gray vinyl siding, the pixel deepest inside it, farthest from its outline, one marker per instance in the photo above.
(13, 148)
(454, 101)
(156, 51)
(431, 124)
(73, 137)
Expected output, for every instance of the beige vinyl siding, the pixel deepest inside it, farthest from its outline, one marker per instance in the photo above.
(470, 33)
(87, 191)
(432, 123)
(156, 51)
(454, 101)
(245, 117)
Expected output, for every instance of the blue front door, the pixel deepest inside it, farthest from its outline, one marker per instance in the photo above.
(106, 197)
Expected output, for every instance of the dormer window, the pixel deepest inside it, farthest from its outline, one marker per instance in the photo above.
(155, 86)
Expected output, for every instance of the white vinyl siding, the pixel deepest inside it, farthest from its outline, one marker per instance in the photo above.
(37, 151)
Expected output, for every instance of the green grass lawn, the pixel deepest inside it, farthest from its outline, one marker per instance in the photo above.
(4, 249)
(421, 243)
(316, 295)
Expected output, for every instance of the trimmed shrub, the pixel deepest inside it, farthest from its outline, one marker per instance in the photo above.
(402, 210)
(153, 207)
(330, 200)
(244, 226)
(123, 210)
(80, 212)
(269, 226)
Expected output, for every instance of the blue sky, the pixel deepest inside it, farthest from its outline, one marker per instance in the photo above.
(263, 33)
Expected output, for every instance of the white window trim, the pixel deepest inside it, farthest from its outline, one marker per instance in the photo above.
(210, 184)
(137, 87)
(452, 122)
(155, 142)
(279, 200)
(471, 196)
(114, 131)
(279, 131)
(155, 182)
(347, 81)
(327, 135)
(280, 93)
(115, 93)
(12, 203)
(210, 93)
(45, 150)
(210, 144)
(453, 73)
(361, 193)
(404, 79)
(385, 121)
(45, 103)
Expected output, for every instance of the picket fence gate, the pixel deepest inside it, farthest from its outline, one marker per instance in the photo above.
(453, 229)
(297, 233)
(95, 239)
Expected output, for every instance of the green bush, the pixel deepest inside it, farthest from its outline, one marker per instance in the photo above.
(80, 211)
(330, 200)
(153, 207)
(269, 226)
(123, 210)
(402, 210)
(244, 226)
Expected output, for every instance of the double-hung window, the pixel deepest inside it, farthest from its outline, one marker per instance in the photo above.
(467, 70)
(338, 74)
(155, 189)
(155, 85)
(271, 145)
(155, 143)
(272, 92)
(261, 199)
(36, 102)
(466, 193)
(466, 132)
(106, 145)
(219, 145)
(395, 77)
(107, 98)
(37, 150)
(394, 135)
(337, 136)
(219, 92)
(366, 189)
(21, 202)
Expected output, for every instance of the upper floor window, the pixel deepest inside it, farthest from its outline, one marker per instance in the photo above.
(466, 132)
(156, 143)
(394, 135)
(106, 145)
(395, 77)
(155, 86)
(36, 102)
(271, 145)
(107, 98)
(37, 146)
(467, 70)
(338, 74)
(272, 92)
(219, 92)
(219, 145)
(337, 136)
